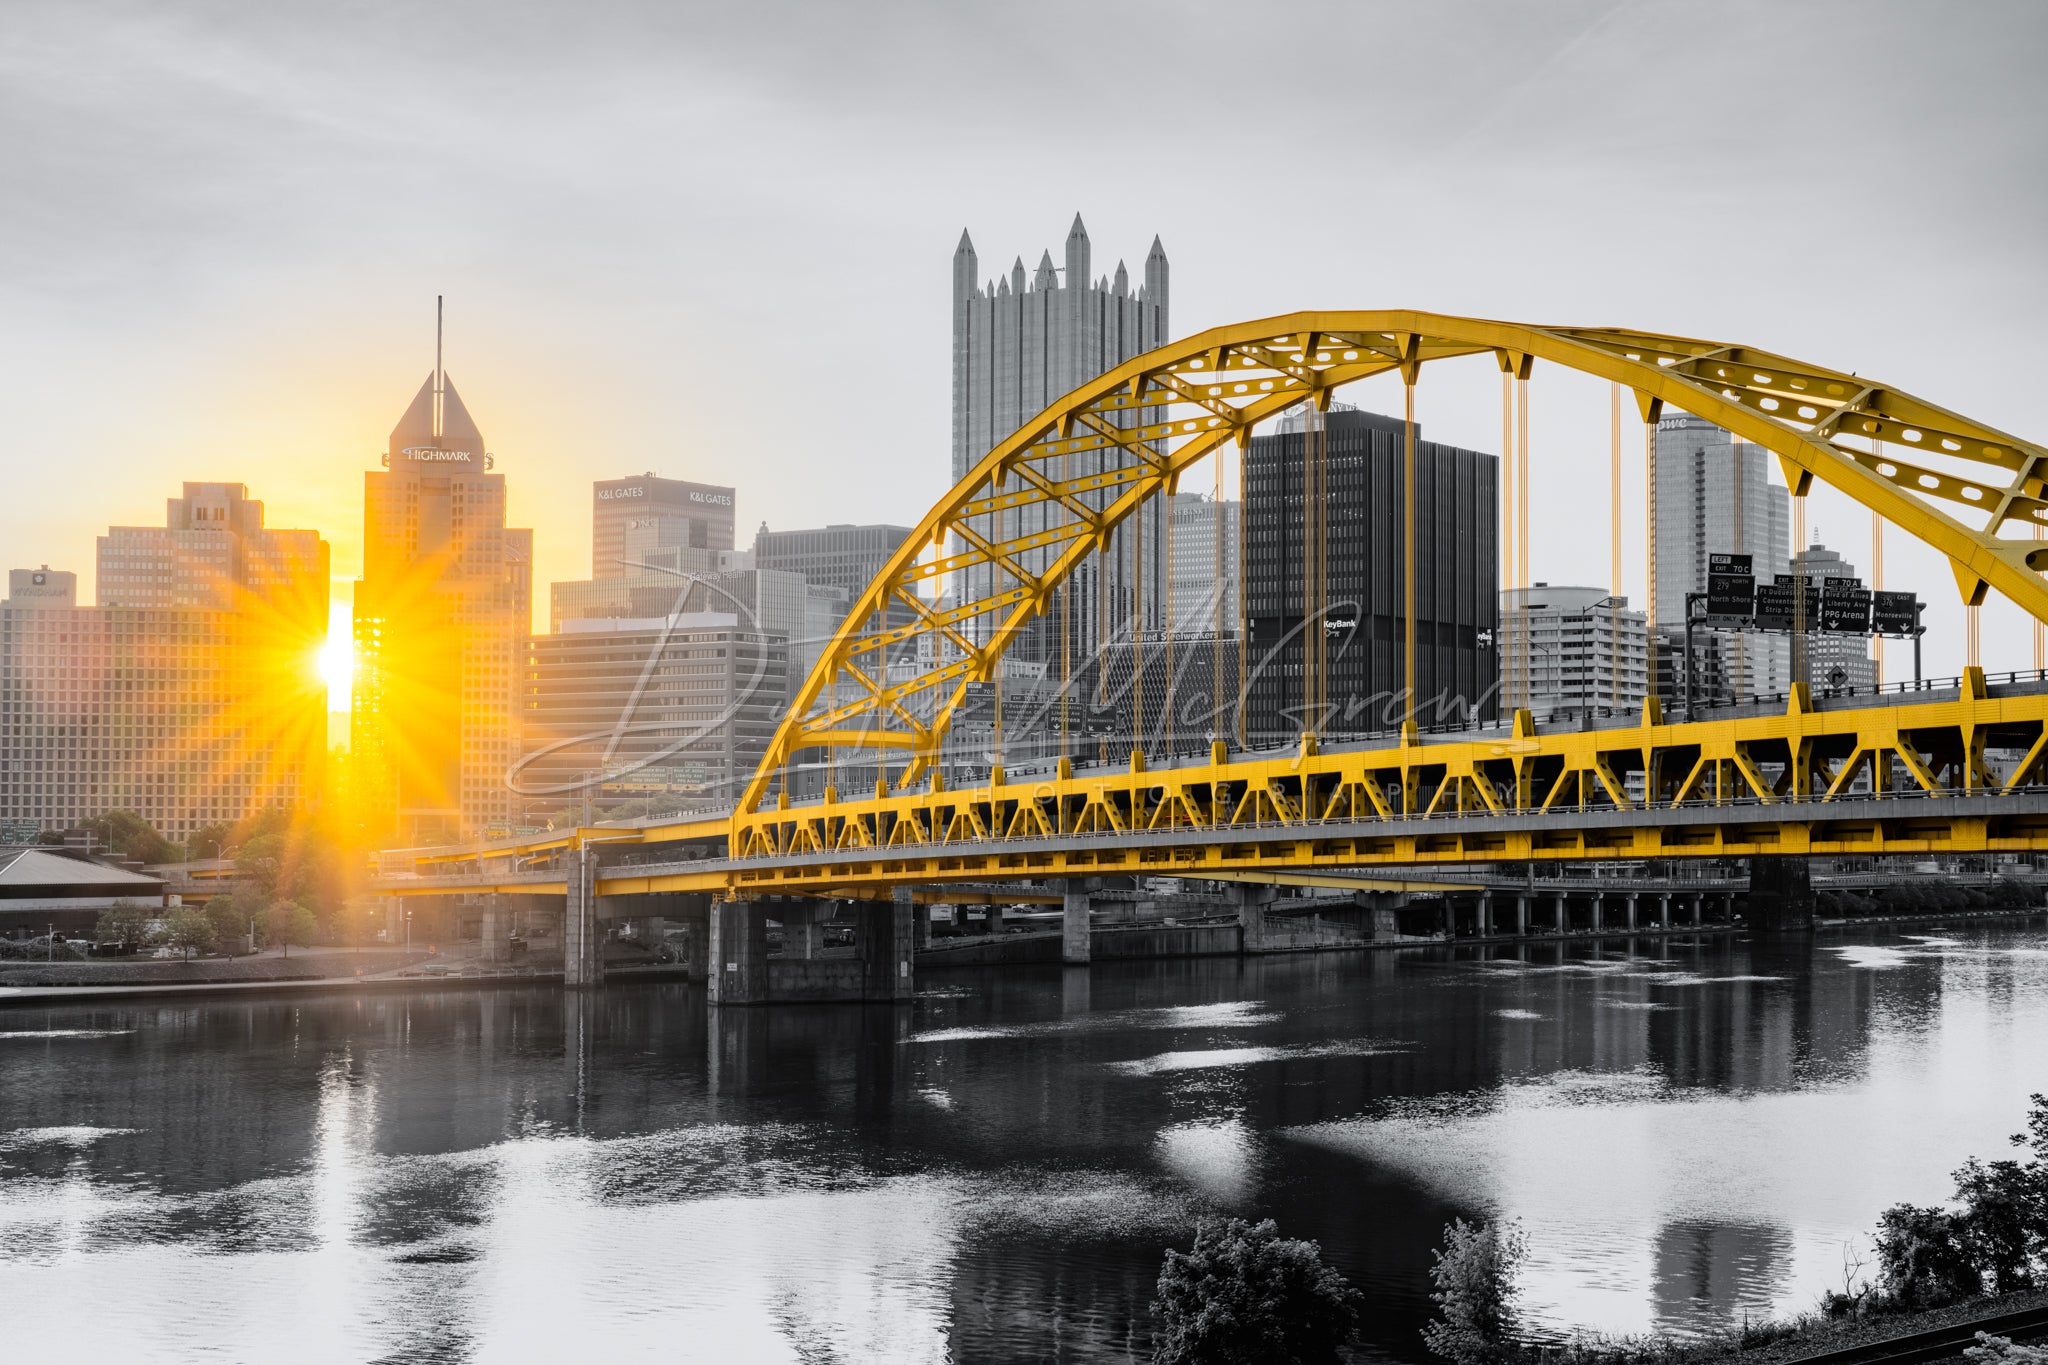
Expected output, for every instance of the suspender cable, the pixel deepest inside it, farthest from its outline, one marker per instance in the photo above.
(1614, 552)
(1225, 576)
(1408, 524)
(1066, 642)
(1167, 624)
(1650, 661)
(1244, 634)
(1504, 644)
(1522, 642)
(996, 735)
(1877, 585)
(1138, 631)
(1314, 577)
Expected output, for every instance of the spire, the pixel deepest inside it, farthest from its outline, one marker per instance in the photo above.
(1017, 276)
(1122, 286)
(965, 269)
(1077, 255)
(1045, 278)
(1156, 279)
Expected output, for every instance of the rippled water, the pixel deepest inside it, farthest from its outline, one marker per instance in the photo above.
(1688, 1133)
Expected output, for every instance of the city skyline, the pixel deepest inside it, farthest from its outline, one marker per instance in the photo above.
(253, 301)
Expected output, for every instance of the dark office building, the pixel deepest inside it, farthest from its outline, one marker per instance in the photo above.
(1362, 616)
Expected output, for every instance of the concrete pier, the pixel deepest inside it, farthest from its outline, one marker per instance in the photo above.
(1076, 914)
(1252, 901)
(739, 954)
(582, 932)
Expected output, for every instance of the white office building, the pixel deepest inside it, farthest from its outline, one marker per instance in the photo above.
(1587, 651)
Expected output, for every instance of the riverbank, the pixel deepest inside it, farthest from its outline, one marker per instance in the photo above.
(1815, 1338)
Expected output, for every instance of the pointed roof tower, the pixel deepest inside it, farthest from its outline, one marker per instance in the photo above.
(965, 269)
(416, 428)
(1156, 280)
(1077, 255)
(458, 430)
(1043, 277)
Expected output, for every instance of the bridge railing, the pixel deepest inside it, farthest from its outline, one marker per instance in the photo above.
(1195, 834)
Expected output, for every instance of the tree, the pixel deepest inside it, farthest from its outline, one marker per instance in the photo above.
(1922, 1260)
(128, 834)
(233, 913)
(1245, 1295)
(1476, 1288)
(189, 928)
(125, 922)
(208, 841)
(288, 922)
(1999, 1228)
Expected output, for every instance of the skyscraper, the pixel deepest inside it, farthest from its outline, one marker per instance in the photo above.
(213, 551)
(189, 695)
(1206, 571)
(1021, 342)
(671, 512)
(1834, 661)
(1714, 495)
(1360, 617)
(442, 615)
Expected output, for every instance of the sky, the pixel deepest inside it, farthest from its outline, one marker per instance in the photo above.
(714, 241)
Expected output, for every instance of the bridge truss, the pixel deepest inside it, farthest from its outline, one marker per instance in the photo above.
(1913, 776)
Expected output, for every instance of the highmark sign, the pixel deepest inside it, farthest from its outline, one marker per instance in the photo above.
(431, 454)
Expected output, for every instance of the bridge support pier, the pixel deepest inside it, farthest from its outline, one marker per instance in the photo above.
(1564, 914)
(582, 932)
(1486, 914)
(886, 938)
(803, 928)
(1629, 904)
(1521, 915)
(1664, 910)
(1074, 923)
(1599, 911)
(497, 933)
(992, 920)
(739, 954)
(1251, 917)
(921, 926)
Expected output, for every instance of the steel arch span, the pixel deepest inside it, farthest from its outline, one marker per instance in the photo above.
(898, 669)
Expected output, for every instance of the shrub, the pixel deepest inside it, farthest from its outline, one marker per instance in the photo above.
(1476, 1289)
(1244, 1295)
(1991, 1350)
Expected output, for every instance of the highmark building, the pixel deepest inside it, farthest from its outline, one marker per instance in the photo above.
(188, 695)
(442, 615)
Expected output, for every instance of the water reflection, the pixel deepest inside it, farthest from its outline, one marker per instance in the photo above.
(1690, 1131)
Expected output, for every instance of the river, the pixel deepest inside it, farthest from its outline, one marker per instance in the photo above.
(1688, 1131)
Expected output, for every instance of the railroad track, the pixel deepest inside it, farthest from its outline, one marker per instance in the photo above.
(1938, 1343)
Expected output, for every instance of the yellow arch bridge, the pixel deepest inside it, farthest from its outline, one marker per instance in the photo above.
(1924, 770)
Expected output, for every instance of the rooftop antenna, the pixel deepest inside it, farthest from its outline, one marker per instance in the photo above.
(440, 380)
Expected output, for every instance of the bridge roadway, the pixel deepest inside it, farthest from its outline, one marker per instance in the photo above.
(1922, 772)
